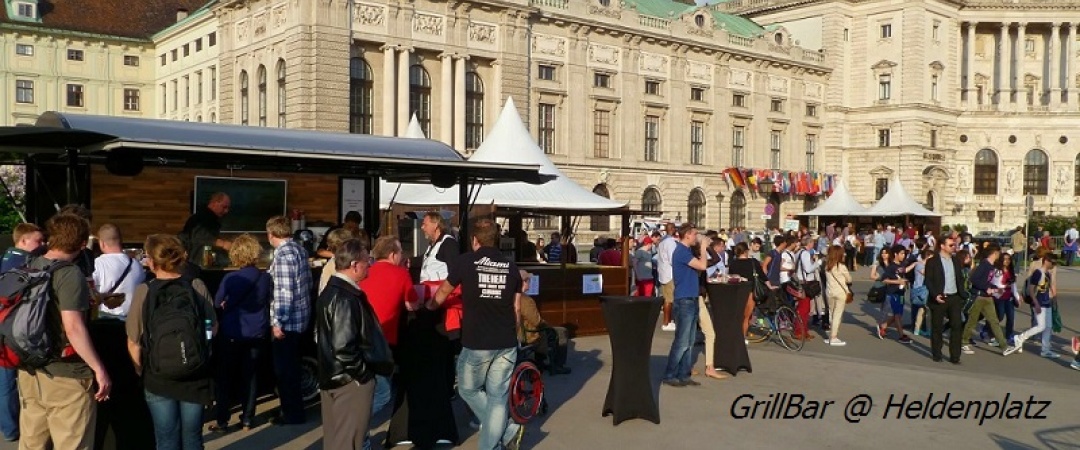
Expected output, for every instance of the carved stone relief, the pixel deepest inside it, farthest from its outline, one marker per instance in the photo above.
(281, 16)
(428, 24)
(606, 12)
(369, 15)
(482, 33)
(603, 54)
(699, 71)
(549, 45)
(740, 79)
(815, 91)
(242, 31)
(653, 63)
(1062, 179)
(260, 25)
(778, 85)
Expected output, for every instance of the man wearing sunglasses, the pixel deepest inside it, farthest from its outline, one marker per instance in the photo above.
(944, 280)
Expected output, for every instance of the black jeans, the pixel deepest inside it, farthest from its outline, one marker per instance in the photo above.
(939, 311)
(236, 355)
(287, 369)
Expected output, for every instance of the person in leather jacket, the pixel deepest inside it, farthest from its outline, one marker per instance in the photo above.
(351, 350)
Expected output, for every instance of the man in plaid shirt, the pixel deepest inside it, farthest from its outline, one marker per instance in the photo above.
(290, 314)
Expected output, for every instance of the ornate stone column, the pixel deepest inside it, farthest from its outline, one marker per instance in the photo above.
(446, 101)
(459, 102)
(1004, 75)
(388, 94)
(1070, 53)
(403, 91)
(1020, 98)
(969, 86)
(1055, 58)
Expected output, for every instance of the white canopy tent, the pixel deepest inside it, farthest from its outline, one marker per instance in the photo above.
(897, 202)
(509, 140)
(840, 203)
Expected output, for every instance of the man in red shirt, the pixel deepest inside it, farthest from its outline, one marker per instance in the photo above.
(390, 292)
(611, 256)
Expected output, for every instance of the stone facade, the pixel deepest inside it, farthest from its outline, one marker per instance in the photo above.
(973, 125)
(187, 73)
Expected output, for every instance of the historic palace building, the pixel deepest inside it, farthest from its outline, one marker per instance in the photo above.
(652, 102)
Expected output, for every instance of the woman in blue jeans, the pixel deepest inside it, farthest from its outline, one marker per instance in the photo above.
(176, 407)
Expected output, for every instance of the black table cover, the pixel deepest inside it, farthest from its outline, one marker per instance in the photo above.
(631, 322)
(727, 305)
(123, 421)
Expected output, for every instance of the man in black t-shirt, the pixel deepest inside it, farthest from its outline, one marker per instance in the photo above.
(203, 228)
(491, 294)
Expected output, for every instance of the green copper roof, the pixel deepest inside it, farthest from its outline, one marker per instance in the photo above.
(670, 9)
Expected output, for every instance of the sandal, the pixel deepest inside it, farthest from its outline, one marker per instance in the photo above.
(717, 375)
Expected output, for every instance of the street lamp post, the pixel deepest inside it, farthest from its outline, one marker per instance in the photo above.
(766, 185)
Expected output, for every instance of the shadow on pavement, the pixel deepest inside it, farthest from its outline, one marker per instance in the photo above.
(1060, 438)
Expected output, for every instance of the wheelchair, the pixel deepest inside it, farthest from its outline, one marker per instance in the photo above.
(526, 387)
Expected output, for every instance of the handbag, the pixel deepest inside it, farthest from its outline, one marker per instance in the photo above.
(810, 288)
(849, 296)
(110, 298)
(876, 294)
(761, 290)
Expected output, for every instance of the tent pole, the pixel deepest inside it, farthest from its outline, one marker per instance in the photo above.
(464, 242)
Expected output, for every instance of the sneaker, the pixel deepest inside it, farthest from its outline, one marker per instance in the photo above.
(443, 442)
(837, 342)
(1075, 365)
(1018, 344)
(673, 382)
(993, 342)
(690, 382)
(1076, 345)
(668, 327)
(1010, 350)
(515, 443)
(881, 332)
(1050, 354)
(827, 340)
(746, 342)
(905, 339)
(967, 350)
(475, 424)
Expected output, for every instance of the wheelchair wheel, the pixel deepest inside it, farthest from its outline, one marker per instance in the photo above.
(787, 323)
(526, 392)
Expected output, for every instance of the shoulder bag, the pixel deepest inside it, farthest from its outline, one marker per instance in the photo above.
(849, 297)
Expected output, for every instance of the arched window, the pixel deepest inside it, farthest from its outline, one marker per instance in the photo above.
(1076, 177)
(930, 200)
(262, 95)
(474, 110)
(213, 117)
(281, 93)
(650, 200)
(198, 118)
(695, 208)
(361, 91)
(420, 97)
(600, 223)
(245, 102)
(986, 172)
(738, 209)
(1036, 172)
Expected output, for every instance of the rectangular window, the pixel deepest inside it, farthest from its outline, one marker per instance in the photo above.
(164, 59)
(211, 40)
(131, 60)
(847, 35)
(27, 10)
(934, 87)
(1030, 94)
(652, 87)
(811, 110)
(187, 49)
(198, 45)
(75, 55)
(811, 150)
(738, 136)
(697, 94)
(172, 54)
(175, 94)
(881, 186)
(933, 138)
(199, 88)
(883, 137)
(24, 49)
(1029, 45)
(986, 216)
(75, 95)
(979, 94)
(775, 142)
(131, 99)
(601, 133)
(776, 105)
(602, 80)
(884, 87)
(652, 137)
(213, 82)
(164, 98)
(886, 30)
(545, 72)
(547, 128)
(187, 91)
(697, 142)
(936, 32)
(24, 91)
(738, 100)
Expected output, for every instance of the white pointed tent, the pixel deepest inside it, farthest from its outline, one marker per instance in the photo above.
(897, 202)
(510, 141)
(840, 203)
(389, 191)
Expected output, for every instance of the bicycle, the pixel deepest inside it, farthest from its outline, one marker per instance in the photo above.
(783, 323)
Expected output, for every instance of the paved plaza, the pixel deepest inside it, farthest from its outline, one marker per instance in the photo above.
(692, 417)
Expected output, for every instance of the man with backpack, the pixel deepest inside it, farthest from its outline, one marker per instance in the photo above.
(290, 313)
(27, 238)
(58, 397)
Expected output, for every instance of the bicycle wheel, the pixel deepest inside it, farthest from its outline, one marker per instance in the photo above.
(526, 392)
(759, 329)
(787, 322)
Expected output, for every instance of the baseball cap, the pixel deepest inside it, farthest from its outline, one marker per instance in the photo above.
(647, 240)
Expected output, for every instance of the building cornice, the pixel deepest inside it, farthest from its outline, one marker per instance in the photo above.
(70, 34)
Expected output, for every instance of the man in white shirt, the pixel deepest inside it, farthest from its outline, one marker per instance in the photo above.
(115, 273)
(664, 250)
(1069, 250)
(807, 270)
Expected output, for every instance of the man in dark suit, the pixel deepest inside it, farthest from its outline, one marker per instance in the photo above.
(945, 283)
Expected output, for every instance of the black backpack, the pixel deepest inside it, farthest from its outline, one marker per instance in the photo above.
(175, 346)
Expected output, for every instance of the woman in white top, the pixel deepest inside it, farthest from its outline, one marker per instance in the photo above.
(838, 285)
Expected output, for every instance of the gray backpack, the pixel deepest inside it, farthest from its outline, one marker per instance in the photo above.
(30, 329)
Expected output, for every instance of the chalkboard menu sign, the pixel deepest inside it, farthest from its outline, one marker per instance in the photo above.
(253, 201)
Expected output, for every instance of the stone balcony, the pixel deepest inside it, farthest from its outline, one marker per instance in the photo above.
(681, 30)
